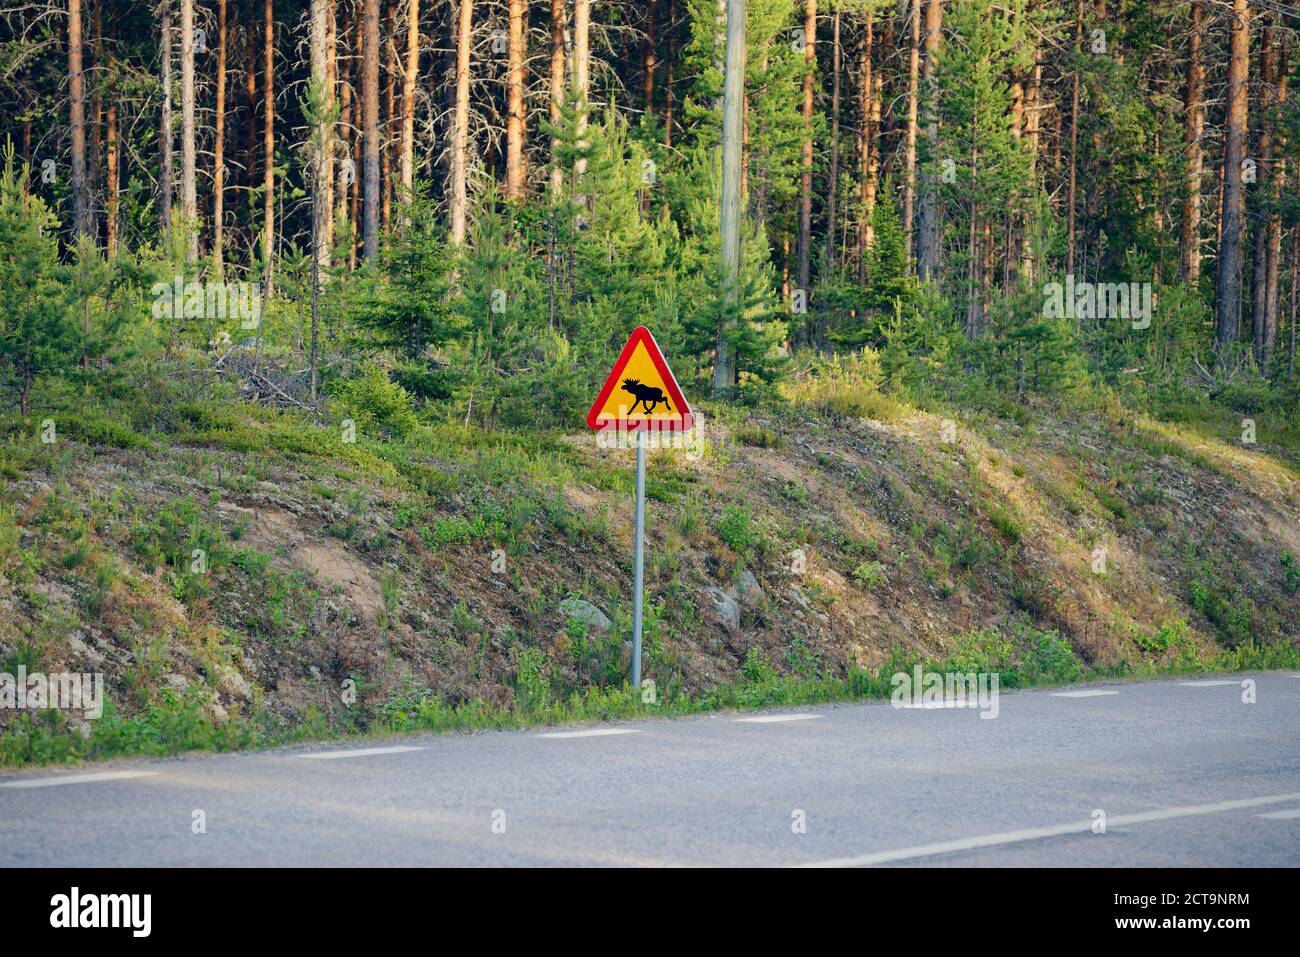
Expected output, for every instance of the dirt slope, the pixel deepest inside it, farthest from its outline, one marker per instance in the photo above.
(466, 564)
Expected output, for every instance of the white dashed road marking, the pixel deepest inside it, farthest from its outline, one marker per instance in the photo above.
(1206, 684)
(773, 718)
(938, 705)
(1288, 815)
(593, 733)
(77, 779)
(356, 753)
(1081, 694)
(1037, 833)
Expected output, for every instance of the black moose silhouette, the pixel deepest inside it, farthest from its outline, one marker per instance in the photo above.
(646, 395)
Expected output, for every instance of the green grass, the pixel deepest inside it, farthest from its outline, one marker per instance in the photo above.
(1006, 522)
(1111, 502)
(758, 436)
(174, 724)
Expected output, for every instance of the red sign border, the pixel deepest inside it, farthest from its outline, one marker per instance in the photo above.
(683, 423)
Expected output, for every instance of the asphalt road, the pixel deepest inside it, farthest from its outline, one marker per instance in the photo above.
(1183, 770)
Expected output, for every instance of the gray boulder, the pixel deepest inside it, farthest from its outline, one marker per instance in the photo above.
(727, 608)
(585, 611)
(748, 590)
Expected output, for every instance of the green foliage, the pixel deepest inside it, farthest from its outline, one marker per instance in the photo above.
(1171, 634)
(698, 304)
(758, 436)
(843, 386)
(36, 334)
(373, 399)
(890, 292)
(757, 668)
(405, 301)
(869, 574)
(1026, 656)
(1006, 521)
(735, 528)
(1290, 572)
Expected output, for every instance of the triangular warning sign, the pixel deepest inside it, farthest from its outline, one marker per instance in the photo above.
(640, 391)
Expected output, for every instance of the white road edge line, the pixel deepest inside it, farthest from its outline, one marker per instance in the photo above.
(592, 733)
(1205, 684)
(1038, 833)
(773, 718)
(356, 753)
(78, 779)
(1288, 815)
(1081, 694)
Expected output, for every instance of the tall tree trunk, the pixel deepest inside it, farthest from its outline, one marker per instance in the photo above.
(356, 215)
(331, 94)
(189, 175)
(1190, 265)
(112, 154)
(1033, 123)
(113, 150)
(927, 212)
(1263, 195)
(582, 70)
(806, 176)
(1071, 193)
(870, 153)
(370, 59)
(668, 74)
(389, 46)
(460, 125)
(745, 157)
(648, 61)
(346, 171)
(268, 145)
(556, 87)
(251, 57)
(321, 174)
(407, 162)
(95, 146)
(219, 149)
(974, 260)
(27, 121)
(1277, 182)
(322, 142)
(82, 224)
(832, 191)
(1295, 270)
(165, 123)
(1232, 224)
(516, 45)
(733, 119)
(909, 148)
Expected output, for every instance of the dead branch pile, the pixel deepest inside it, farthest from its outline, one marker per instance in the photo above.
(260, 379)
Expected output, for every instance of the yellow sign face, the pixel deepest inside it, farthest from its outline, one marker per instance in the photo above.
(641, 388)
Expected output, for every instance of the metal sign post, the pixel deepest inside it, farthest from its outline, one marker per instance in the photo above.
(641, 374)
(638, 559)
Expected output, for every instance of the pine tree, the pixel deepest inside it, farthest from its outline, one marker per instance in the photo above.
(505, 357)
(891, 288)
(404, 302)
(754, 325)
(981, 166)
(36, 334)
(609, 257)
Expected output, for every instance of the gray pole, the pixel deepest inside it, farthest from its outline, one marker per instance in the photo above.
(733, 122)
(638, 558)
